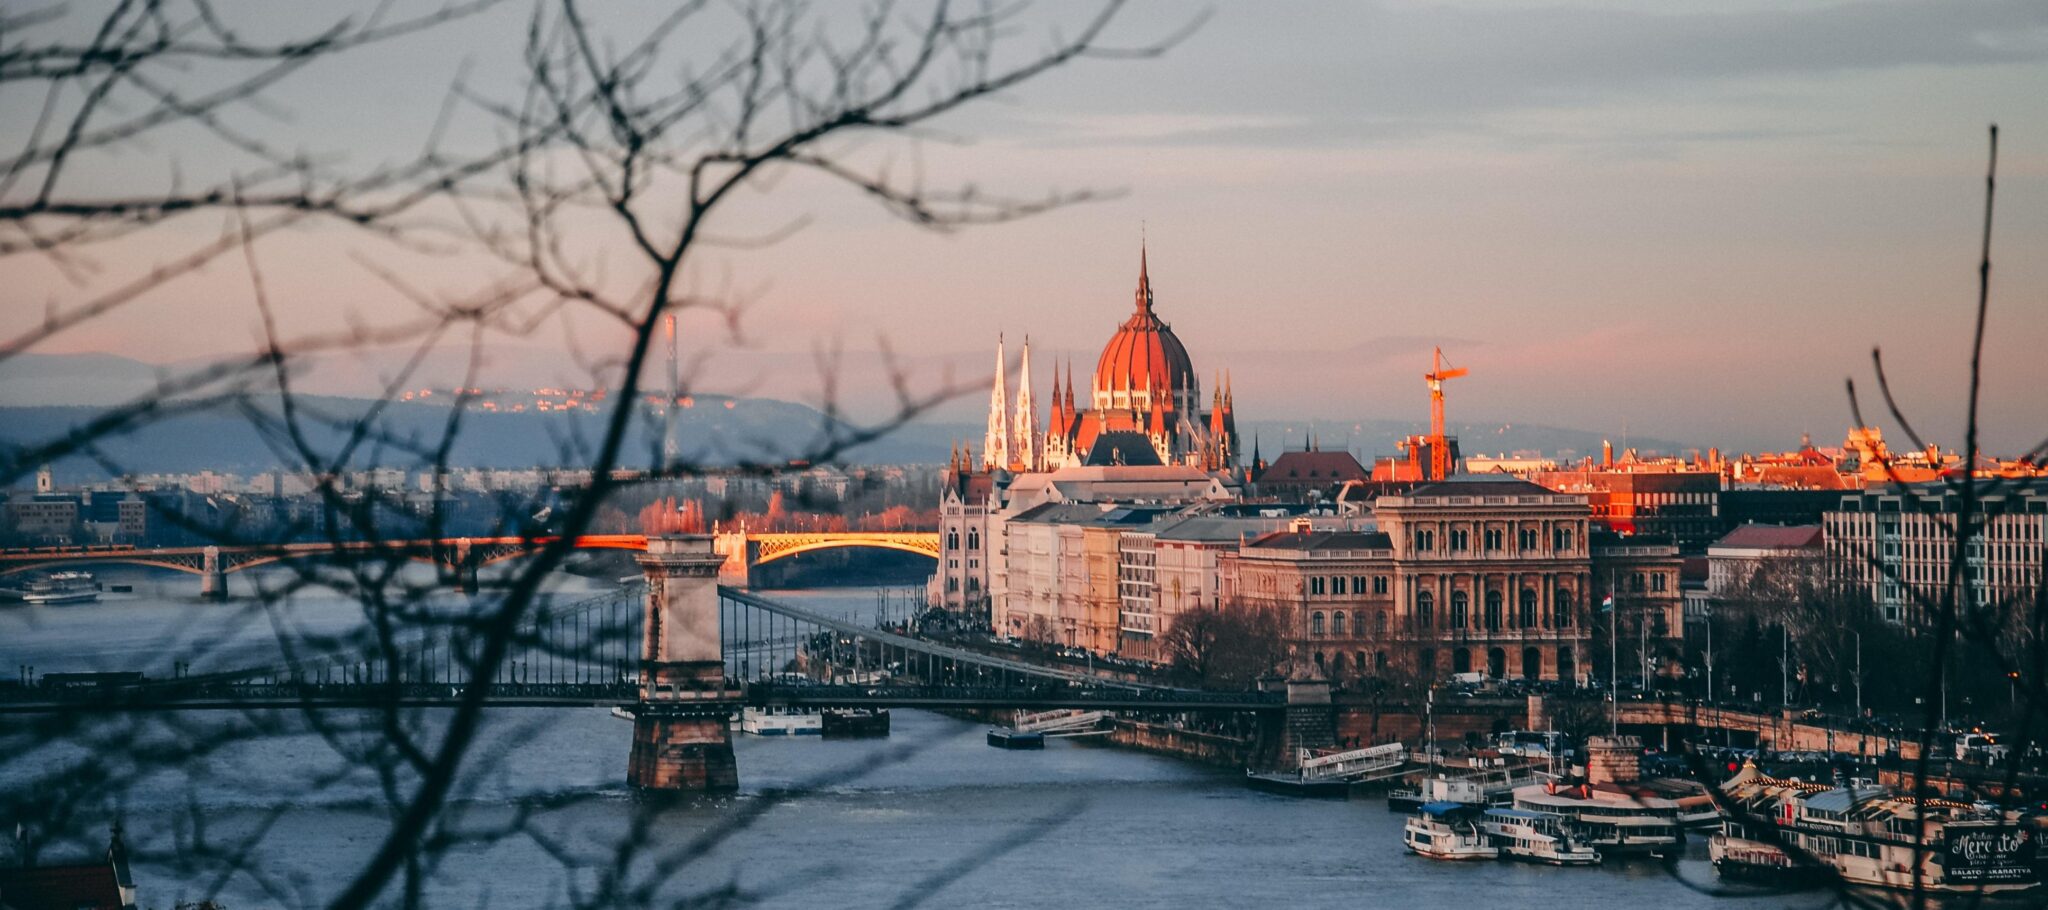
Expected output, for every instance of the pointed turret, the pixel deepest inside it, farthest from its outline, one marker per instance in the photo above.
(995, 448)
(1071, 410)
(1024, 443)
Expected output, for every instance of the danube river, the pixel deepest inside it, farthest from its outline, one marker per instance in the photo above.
(930, 816)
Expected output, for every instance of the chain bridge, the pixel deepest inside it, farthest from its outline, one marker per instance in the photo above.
(677, 651)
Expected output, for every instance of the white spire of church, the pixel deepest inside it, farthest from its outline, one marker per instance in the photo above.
(995, 450)
(1024, 450)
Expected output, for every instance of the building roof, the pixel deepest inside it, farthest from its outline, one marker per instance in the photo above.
(87, 885)
(1801, 477)
(1217, 528)
(1122, 448)
(1771, 537)
(1324, 540)
(1314, 467)
(1474, 485)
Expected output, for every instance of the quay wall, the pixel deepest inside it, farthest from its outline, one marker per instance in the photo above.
(1401, 722)
(1193, 745)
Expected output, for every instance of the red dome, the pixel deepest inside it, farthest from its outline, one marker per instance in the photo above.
(1144, 358)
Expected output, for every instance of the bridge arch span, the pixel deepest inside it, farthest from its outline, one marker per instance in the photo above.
(772, 550)
(68, 561)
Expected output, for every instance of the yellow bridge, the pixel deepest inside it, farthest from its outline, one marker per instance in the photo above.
(744, 550)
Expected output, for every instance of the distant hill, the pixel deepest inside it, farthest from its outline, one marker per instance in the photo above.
(1369, 437)
(752, 429)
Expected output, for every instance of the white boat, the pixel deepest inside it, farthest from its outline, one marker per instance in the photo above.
(1537, 838)
(62, 588)
(781, 721)
(1448, 831)
(1610, 817)
(1869, 836)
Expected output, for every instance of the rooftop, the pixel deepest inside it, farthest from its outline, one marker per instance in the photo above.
(1771, 537)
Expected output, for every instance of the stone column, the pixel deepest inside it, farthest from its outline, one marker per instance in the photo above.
(682, 739)
(213, 579)
(1311, 718)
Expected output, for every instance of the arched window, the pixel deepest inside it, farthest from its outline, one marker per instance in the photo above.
(1379, 620)
(1458, 610)
(1362, 664)
(1337, 625)
(1528, 618)
(1567, 671)
(1492, 610)
(1496, 663)
(1461, 661)
(1425, 663)
(1315, 629)
(1425, 606)
(1379, 661)
(1564, 609)
(1319, 661)
(973, 539)
(952, 540)
(1532, 663)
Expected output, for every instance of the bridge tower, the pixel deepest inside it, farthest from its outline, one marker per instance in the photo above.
(737, 570)
(681, 734)
(213, 578)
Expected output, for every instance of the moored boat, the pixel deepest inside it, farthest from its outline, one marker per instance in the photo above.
(1011, 739)
(62, 588)
(1536, 838)
(1612, 810)
(856, 722)
(781, 721)
(1448, 831)
(1870, 836)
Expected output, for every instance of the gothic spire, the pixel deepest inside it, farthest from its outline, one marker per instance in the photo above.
(1070, 393)
(995, 448)
(1024, 444)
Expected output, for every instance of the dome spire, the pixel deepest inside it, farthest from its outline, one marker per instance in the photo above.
(1144, 277)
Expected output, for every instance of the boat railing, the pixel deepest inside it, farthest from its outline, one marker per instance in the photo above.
(1370, 761)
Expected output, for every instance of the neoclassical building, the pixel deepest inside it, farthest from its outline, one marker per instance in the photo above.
(1464, 575)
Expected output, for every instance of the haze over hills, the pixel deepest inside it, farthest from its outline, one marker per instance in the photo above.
(44, 396)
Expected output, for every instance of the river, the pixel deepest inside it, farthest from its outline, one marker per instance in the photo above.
(930, 816)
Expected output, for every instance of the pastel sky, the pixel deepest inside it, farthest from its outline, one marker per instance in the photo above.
(1692, 219)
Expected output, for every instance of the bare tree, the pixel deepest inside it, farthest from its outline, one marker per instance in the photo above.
(613, 164)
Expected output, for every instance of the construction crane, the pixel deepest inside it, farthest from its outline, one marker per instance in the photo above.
(1439, 444)
(669, 448)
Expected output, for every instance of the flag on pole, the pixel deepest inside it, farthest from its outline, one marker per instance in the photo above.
(1607, 604)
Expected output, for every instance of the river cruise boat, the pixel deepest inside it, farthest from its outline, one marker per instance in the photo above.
(1448, 831)
(1870, 836)
(1611, 817)
(781, 721)
(1479, 787)
(1536, 838)
(62, 588)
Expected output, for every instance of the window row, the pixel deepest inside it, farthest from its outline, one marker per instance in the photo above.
(1459, 613)
(1492, 540)
(1339, 585)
